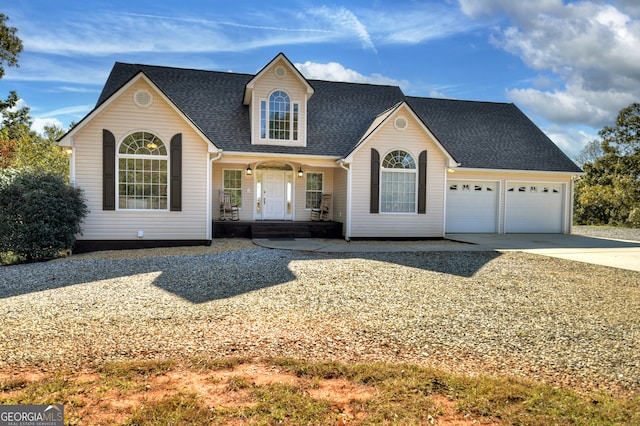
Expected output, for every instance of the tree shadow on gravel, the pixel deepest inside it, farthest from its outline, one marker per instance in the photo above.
(204, 278)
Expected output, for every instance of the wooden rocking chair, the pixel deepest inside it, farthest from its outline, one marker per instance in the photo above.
(322, 212)
(227, 209)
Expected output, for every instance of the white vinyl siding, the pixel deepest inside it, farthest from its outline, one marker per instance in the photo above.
(249, 193)
(264, 87)
(413, 140)
(122, 117)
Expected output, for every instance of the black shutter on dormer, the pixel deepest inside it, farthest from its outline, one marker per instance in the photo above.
(374, 198)
(108, 170)
(422, 183)
(175, 175)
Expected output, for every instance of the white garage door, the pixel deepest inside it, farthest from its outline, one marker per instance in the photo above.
(472, 206)
(534, 207)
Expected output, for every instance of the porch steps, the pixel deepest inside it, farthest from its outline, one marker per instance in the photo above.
(276, 229)
(280, 230)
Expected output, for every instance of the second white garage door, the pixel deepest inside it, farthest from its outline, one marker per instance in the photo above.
(534, 208)
(472, 206)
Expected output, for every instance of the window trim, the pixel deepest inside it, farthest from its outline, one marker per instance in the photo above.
(264, 128)
(161, 157)
(306, 181)
(414, 171)
(240, 171)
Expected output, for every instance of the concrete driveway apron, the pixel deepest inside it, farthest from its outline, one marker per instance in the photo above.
(599, 251)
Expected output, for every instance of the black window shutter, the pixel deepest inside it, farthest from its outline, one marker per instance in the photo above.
(108, 170)
(176, 172)
(422, 183)
(374, 204)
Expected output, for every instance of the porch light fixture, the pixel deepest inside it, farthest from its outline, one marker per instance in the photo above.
(68, 150)
(249, 171)
(300, 172)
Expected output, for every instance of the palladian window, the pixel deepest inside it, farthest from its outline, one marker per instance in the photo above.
(142, 172)
(398, 183)
(279, 117)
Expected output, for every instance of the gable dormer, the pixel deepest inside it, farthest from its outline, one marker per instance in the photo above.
(277, 98)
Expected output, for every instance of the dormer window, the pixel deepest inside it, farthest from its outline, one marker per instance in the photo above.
(279, 117)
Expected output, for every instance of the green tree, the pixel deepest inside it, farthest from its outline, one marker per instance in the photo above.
(10, 45)
(609, 192)
(41, 152)
(590, 153)
(21, 147)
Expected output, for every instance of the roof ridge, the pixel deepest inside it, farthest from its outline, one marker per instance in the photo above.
(459, 100)
(167, 67)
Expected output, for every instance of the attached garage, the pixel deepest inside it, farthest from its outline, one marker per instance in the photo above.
(472, 206)
(532, 207)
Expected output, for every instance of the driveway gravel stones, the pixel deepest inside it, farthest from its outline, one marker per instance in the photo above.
(512, 314)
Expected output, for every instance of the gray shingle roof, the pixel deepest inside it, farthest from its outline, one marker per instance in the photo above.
(488, 135)
(476, 134)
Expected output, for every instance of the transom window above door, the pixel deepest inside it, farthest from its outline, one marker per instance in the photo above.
(279, 117)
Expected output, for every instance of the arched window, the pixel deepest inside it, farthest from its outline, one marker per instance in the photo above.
(142, 172)
(398, 183)
(279, 117)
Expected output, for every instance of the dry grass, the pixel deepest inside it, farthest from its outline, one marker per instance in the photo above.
(284, 391)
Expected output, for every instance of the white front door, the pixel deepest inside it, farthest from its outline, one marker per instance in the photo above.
(274, 195)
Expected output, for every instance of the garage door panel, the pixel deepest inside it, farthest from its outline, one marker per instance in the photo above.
(534, 208)
(472, 206)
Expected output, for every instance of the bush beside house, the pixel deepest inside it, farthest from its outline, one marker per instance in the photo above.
(40, 214)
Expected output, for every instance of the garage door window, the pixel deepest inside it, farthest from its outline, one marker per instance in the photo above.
(398, 183)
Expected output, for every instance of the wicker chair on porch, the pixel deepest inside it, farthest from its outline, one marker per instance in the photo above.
(227, 209)
(322, 212)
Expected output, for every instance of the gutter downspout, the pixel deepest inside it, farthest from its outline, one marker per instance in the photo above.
(209, 219)
(347, 166)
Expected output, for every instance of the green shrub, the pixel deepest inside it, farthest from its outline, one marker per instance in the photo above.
(40, 214)
(634, 218)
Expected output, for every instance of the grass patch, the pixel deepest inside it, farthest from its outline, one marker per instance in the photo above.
(287, 404)
(216, 364)
(129, 370)
(214, 392)
(181, 409)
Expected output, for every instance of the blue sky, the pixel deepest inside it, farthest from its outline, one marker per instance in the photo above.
(569, 65)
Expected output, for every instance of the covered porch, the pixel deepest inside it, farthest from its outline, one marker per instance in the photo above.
(276, 229)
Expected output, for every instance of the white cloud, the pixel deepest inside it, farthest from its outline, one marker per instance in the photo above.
(573, 105)
(570, 140)
(20, 103)
(77, 110)
(334, 71)
(40, 123)
(479, 8)
(589, 46)
(345, 21)
(37, 67)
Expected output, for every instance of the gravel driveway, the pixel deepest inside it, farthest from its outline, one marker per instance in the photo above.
(510, 314)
